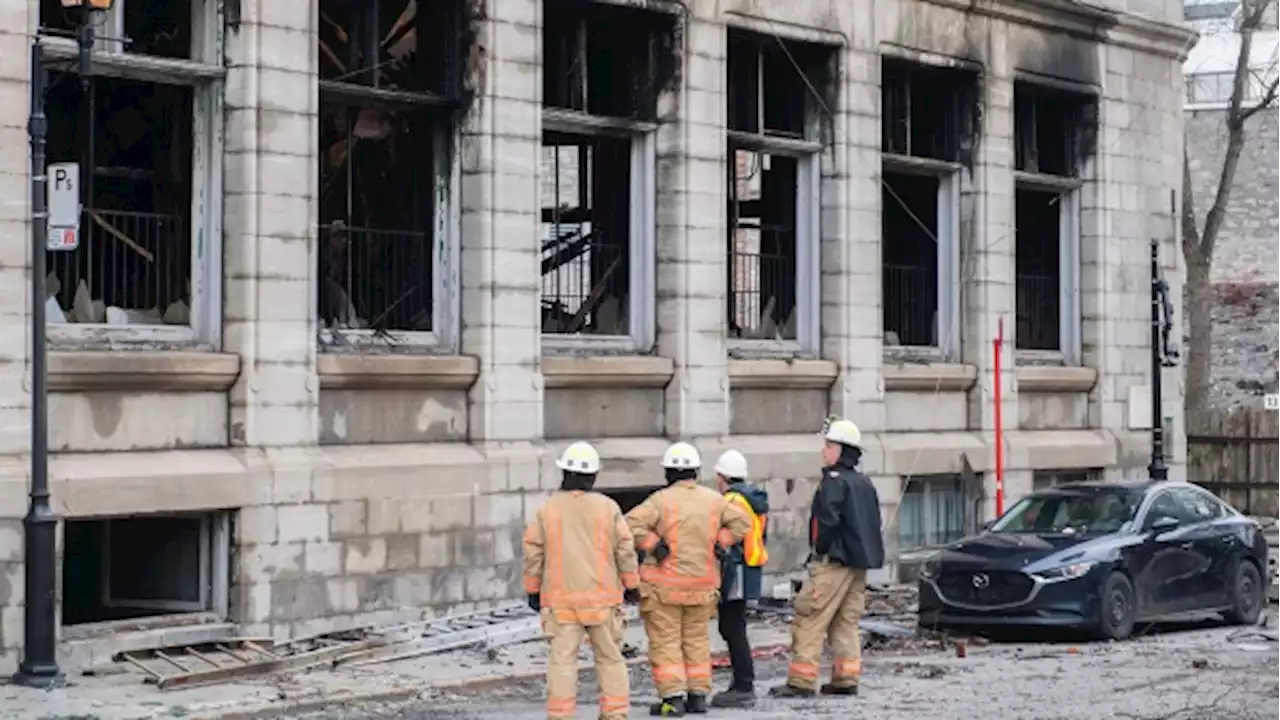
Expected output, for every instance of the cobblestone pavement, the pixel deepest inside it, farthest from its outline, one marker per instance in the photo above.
(1204, 673)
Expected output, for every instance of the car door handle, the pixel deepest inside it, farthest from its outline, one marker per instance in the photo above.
(1186, 545)
(1227, 540)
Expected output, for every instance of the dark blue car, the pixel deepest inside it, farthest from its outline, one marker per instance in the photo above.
(1101, 557)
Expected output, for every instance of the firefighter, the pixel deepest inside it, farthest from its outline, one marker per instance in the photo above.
(579, 567)
(682, 530)
(845, 541)
(740, 578)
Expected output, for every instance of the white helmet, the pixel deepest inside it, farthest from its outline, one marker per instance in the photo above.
(681, 456)
(732, 465)
(839, 430)
(580, 457)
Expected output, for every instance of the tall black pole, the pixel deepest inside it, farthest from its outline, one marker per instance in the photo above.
(1158, 470)
(39, 666)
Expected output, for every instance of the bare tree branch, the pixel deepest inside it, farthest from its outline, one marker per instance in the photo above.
(1253, 14)
(1268, 99)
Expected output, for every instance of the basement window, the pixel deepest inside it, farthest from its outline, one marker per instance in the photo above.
(389, 77)
(778, 90)
(142, 566)
(141, 131)
(937, 509)
(600, 85)
(1054, 137)
(1049, 479)
(928, 130)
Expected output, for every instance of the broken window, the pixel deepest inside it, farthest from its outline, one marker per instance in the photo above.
(162, 28)
(134, 567)
(387, 82)
(778, 90)
(600, 81)
(927, 136)
(936, 510)
(1054, 136)
(134, 130)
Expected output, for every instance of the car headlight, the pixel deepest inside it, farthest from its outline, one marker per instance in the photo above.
(1066, 572)
(930, 567)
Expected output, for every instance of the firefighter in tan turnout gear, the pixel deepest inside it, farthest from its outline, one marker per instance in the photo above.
(579, 567)
(844, 536)
(682, 531)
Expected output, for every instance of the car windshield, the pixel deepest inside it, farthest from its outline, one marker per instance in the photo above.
(1070, 512)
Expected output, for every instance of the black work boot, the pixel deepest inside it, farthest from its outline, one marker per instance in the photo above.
(696, 704)
(830, 689)
(789, 691)
(734, 697)
(668, 707)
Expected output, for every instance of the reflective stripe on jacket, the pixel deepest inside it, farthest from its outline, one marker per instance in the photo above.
(754, 553)
(579, 555)
(692, 520)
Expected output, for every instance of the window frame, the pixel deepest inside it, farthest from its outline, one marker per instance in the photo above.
(642, 230)
(969, 491)
(446, 230)
(205, 74)
(947, 277)
(1070, 319)
(808, 275)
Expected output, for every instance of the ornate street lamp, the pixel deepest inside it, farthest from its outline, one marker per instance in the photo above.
(39, 666)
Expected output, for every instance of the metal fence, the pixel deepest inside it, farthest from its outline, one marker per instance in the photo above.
(138, 262)
(373, 278)
(1235, 454)
(584, 282)
(761, 295)
(1039, 300)
(911, 304)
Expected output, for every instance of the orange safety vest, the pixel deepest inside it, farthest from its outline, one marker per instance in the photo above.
(753, 550)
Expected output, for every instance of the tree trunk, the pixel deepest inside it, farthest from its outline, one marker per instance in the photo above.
(1198, 298)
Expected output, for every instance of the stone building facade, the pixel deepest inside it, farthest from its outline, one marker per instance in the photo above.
(279, 434)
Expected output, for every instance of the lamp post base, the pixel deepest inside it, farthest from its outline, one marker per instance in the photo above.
(42, 676)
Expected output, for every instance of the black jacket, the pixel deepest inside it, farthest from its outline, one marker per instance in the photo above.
(737, 581)
(844, 522)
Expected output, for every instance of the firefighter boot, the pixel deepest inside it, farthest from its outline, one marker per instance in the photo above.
(829, 689)
(696, 704)
(668, 707)
(789, 691)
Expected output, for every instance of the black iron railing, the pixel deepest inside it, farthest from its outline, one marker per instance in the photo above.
(762, 295)
(1039, 301)
(139, 262)
(584, 282)
(911, 305)
(376, 279)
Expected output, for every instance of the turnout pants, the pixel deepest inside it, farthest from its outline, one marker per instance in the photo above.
(828, 607)
(679, 646)
(562, 666)
(733, 628)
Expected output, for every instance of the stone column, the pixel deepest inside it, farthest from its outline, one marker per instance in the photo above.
(691, 238)
(269, 223)
(988, 260)
(852, 333)
(16, 18)
(501, 148)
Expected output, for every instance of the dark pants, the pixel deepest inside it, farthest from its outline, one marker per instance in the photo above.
(733, 628)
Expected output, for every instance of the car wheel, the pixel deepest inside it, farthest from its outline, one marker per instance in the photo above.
(1246, 595)
(1117, 608)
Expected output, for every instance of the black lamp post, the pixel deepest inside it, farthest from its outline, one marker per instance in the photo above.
(1164, 353)
(39, 666)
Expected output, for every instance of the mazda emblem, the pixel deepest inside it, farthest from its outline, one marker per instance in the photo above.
(981, 581)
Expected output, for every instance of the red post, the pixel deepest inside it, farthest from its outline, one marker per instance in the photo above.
(998, 345)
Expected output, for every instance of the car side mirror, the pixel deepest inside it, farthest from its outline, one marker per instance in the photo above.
(1164, 524)
(988, 525)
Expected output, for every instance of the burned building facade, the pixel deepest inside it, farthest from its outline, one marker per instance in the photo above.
(351, 274)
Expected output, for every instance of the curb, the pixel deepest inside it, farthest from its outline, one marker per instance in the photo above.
(267, 711)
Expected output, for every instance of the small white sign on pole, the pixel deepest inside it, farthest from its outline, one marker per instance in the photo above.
(64, 206)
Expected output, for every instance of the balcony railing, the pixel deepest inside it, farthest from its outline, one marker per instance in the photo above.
(584, 282)
(911, 305)
(761, 295)
(1039, 300)
(373, 278)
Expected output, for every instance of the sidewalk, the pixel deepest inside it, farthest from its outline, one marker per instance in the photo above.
(123, 696)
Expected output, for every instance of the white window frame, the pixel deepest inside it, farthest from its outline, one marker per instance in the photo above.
(205, 75)
(808, 156)
(446, 308)
(641, 246)
(948, 275)
(1070, 321)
